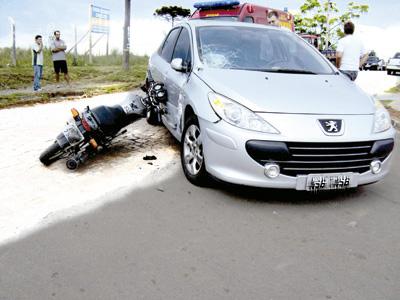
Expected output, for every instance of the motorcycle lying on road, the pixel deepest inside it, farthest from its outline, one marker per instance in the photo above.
(92, 130)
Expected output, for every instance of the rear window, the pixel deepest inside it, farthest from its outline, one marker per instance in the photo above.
(169, 44)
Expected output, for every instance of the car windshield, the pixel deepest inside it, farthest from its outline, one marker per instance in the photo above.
(397, 55)
(372, 59)
(258, 49)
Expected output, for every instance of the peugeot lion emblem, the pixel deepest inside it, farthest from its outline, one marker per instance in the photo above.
(332, 127)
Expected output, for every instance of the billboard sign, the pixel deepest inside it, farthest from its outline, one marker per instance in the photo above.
(99, 19)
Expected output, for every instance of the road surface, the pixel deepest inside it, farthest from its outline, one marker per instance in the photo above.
(166, 239)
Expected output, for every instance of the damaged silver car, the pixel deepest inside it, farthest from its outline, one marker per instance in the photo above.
(256, 105)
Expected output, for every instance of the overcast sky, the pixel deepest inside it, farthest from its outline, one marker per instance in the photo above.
(380, 28)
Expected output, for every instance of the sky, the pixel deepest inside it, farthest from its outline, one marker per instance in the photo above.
(379, 28)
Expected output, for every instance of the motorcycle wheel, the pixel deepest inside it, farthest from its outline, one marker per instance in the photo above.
(152, 116)
(51, 154)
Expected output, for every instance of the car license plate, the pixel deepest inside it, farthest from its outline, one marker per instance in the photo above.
(336, 181)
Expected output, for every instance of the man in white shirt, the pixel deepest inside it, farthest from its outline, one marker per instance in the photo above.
(350, 53)
(37, 62)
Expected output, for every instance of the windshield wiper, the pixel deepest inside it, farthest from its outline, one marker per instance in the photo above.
(289, 71)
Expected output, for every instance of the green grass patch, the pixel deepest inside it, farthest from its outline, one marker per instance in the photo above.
(105, 75)
(19, 99)
(394, 90)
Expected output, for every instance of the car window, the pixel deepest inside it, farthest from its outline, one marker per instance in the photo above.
(248, 19)
(169, 44)
(258, 49)
(397, 55)
(182, 48)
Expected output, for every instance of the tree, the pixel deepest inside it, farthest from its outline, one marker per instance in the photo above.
(172, 13)
(323, 17)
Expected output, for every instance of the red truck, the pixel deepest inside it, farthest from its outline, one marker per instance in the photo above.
(246, 12)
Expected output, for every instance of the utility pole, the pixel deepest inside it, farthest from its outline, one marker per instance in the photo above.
(75, 61)
(14, 50)
(127, 24)
(108, 40)
(90, 33)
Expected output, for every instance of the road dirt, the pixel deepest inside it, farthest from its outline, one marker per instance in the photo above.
(31, 191)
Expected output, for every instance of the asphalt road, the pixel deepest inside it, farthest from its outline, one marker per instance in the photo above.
(172, 240)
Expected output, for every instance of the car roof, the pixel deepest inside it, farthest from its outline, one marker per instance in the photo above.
(203, 22)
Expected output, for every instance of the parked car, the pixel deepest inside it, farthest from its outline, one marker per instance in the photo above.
(374, 63)
(257, 105)
(393, 65)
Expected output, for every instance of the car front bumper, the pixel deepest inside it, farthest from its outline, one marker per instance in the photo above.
(393, 68)
(227, 159)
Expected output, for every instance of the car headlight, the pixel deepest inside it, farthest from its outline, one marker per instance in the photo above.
(238, 115)
(382, 118)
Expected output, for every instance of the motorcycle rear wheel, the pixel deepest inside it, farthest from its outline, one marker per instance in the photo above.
(51, 154)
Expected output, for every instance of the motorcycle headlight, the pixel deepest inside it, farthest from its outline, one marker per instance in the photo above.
(382, 118)
(238, 115)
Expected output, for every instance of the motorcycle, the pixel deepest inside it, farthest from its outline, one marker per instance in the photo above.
(156, 101)
(92, 130)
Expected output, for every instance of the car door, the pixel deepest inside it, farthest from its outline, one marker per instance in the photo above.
(176, 81)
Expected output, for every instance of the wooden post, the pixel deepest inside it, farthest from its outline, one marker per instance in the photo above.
(90, 33)
(127, 24)
(75, 61)
(13, 50)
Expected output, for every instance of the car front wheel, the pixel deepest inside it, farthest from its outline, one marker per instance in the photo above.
(192, 155)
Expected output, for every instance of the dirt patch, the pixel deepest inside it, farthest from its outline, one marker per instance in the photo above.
(31, 192)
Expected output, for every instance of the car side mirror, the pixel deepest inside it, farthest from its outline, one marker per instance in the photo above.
(177, 65)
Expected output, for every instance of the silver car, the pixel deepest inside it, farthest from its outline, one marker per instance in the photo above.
(258, 106)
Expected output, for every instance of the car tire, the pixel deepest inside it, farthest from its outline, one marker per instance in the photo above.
(153, 116)
(389, 72)
(192, 155)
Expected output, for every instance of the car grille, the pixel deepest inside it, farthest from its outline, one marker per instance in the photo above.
(312, 158)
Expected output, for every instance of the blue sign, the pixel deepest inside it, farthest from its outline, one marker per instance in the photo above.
(215, 4)
(99, 19)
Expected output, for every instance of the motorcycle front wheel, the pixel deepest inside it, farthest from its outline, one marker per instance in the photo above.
(152, 116)
(51, 154)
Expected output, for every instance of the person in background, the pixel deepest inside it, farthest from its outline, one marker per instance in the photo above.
(58, 48)
(350, 53)
(37, 62)
(273, 18)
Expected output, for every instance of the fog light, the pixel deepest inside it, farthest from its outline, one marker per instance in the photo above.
(376, 167)
(272, 170)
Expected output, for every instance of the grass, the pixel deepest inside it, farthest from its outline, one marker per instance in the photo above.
(104, 76)
(394, 90)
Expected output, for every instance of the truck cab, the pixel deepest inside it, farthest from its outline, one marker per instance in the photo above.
(235, 11)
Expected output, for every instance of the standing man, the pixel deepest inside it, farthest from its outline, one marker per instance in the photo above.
(350, 53)
(58, 48)
(37, 62)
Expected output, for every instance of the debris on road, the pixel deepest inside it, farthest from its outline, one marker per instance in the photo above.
(149, 157)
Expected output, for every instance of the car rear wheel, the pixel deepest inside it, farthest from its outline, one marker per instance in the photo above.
(192, 154)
